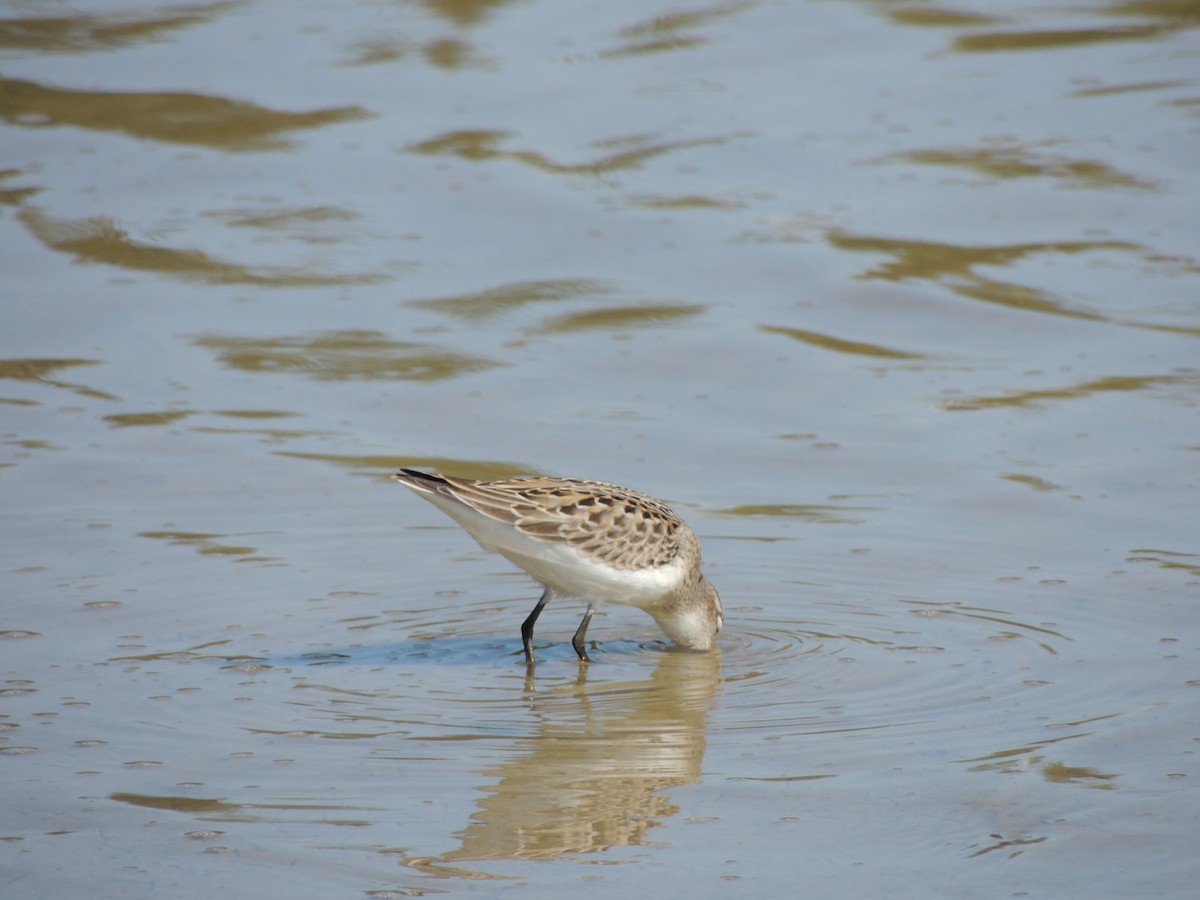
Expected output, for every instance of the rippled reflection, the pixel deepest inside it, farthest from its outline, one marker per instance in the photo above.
(102, 240)
(1012, 160)
(615, 154)
(162, 417)
(1033, 758)
(357, 354)
(673, 31)
(208, 544)
(508, 297)
(77, 32)
(954, 265)
(1040, 39)
(819, 513)
(213, 809)
(936, 16)
(40, 370)
(179, 118)
(841, 345)
(591, 773)
(621, 317)
(1087, 388)
(464, 12)
(1158, 17)
(305, 222)
(1168, 559)
(446, 53)
(15, 196)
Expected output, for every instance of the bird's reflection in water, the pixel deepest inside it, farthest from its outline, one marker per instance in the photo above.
(596, 766)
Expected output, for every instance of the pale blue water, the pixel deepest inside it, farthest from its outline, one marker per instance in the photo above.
(896, 304)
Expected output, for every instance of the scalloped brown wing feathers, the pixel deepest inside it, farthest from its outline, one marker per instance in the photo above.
(624, 528)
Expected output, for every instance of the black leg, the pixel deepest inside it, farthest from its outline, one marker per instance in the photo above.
(527, 627)
(580, 634)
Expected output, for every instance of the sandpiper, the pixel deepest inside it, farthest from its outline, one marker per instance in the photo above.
(586, 539)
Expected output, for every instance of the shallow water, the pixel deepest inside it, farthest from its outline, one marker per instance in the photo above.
(897, 305)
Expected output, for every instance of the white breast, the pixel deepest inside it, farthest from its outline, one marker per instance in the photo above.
(569, 573)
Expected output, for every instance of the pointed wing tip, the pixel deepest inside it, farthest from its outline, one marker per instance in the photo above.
(420, 481)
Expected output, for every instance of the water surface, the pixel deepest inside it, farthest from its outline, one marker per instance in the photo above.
(896, 303)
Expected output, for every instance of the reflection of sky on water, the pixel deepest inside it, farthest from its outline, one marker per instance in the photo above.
(895, 304)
